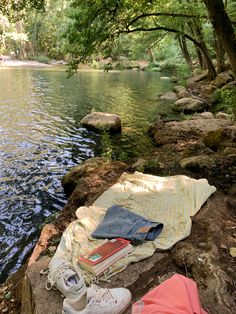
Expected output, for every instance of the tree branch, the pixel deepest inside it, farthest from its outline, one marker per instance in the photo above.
(143, 15)
(158, 40)
(161, 28)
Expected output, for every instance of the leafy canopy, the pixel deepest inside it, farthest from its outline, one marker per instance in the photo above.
(96, 24)
(14, 9)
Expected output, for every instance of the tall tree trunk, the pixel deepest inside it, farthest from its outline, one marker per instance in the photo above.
(151, 54)
(201, 49)
(197, 31)
(219, 54)
(35, 35)
(209, 65)
(198, 50)
(223, 29)
(19, 29)
(184, 49)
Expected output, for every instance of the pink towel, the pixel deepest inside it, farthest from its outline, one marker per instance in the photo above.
(177, 295)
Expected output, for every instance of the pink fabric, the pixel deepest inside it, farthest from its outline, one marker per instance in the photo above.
(177, 295)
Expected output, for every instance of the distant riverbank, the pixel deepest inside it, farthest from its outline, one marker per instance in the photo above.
(7, 62)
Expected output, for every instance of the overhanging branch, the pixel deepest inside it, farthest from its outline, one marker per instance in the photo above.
(161, 28)
(143, 15)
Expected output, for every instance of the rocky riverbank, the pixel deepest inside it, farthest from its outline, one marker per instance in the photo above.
(203, 146)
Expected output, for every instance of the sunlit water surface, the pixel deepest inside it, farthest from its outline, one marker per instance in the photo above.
(41, 139)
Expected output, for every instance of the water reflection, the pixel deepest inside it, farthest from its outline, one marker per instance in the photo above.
(41, 139)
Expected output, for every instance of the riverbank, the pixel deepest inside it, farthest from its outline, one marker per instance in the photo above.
(6, 61)
(204, 256)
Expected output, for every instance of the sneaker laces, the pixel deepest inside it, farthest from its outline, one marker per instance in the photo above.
(57, 274)
(103, 295)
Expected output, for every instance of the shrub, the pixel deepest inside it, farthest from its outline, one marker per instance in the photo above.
(226, 100)
(40, 58)
(107, 151)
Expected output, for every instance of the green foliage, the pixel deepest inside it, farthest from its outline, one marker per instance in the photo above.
(15, 10)
(108, 67)
(213, 139)
(119, 66)
(40, 58)
(100, 26)
(152, 165)
(123, 156)
(226, 100)
(106, 144)
(95, 64)
(186, 116)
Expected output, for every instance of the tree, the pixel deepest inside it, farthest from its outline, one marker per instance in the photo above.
(223, 28)
(12, 33)
(13, 9)
(44, 29)
(95, 24)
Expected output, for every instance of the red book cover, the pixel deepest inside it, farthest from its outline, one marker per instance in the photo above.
(104, 251)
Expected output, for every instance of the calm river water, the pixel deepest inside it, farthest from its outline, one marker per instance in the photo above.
(41, 139)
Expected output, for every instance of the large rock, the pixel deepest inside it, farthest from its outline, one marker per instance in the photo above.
(203, 253)
(230, 151)
(174, 131)
(189, 105)
(223, 115)
(204, 115)
(35, 298)
(83, 184)
(169, 96)
(221, 138)
(197, 78)
(197, 163)
(223, 79)
(201, 126)
(48, 231)
(71, 179)
(182, 92)
(93, 169)
(102, 121)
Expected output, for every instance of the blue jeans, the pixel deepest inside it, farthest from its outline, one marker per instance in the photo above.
(119, 222)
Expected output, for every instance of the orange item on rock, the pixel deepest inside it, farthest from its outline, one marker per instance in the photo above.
(177, 295)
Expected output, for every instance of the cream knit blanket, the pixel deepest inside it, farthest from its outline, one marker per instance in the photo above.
(170, 200)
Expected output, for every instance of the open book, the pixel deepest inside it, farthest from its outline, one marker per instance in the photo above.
(105, 255)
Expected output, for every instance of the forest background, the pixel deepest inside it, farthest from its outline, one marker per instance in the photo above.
(176, 35)
(173, 36)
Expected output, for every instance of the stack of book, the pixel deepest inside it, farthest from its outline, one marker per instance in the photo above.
(105, 255)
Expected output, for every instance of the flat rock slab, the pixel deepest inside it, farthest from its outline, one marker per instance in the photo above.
(199, 125)
(171, 132)
(198, 162)
(35, 298)
(102, 121)
(204, 256)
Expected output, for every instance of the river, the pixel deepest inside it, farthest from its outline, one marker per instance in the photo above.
(41, 139)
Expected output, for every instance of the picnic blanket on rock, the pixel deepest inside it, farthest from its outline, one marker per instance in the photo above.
(171, 201)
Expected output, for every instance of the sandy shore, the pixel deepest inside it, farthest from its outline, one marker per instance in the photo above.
(18, 63)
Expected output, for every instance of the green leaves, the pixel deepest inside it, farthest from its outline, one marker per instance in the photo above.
(94, 25)
(15, 10)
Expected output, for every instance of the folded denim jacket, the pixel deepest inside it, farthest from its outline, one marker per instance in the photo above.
(119, 222)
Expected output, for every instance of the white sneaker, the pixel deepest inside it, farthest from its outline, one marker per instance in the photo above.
(102, 301)
(63, 276)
